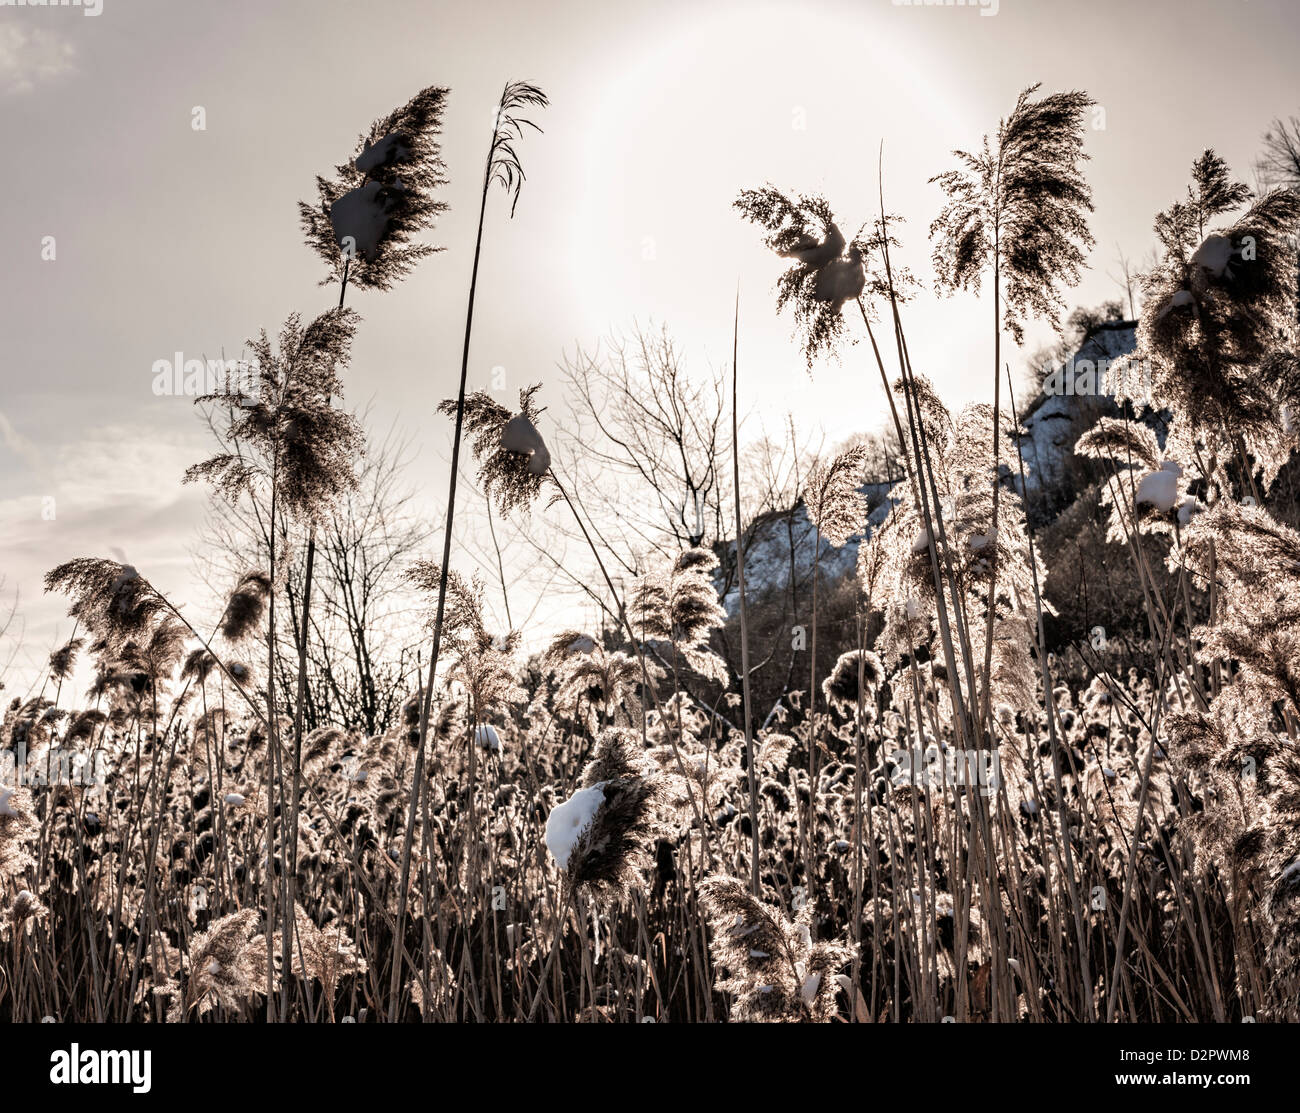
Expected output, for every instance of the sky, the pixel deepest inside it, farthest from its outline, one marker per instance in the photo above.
(128, 234)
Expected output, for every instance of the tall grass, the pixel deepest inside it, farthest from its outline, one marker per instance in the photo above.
(503, 168)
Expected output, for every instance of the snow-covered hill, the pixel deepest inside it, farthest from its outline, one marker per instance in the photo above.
(783, 543)
(1072, 401)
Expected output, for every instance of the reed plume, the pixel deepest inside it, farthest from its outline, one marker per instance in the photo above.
(365, 215)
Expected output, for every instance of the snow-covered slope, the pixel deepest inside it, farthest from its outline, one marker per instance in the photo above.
(1050, 426)
(1053, 423)
(768, 562)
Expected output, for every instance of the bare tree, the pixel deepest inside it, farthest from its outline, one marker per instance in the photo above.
(363, 627)
(8, 616)
(366, 547)
(1279, 162)
(1126, 279)
(647, 440)
(883, 458)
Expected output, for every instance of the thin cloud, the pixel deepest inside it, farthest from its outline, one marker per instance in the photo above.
(30, 56)
(15, 442)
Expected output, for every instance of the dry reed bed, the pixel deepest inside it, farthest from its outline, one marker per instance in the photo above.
(614, 832)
